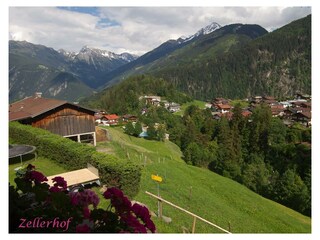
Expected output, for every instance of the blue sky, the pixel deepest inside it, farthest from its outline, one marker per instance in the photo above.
(94, 11)
(132, 29)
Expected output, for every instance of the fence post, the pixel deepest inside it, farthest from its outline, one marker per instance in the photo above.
(194, 224)
(160, 208)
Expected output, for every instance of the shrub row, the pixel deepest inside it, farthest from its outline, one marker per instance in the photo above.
(72, 155)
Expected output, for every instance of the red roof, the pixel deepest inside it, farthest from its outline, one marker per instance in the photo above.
(305, 114)
(224, 106)
(246, 113)
(112, 117)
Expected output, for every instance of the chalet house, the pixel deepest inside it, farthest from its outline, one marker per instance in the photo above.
(129, 118)
(269, 100)
(111, 119)
(153, 100)
(97, 117)
(223, 108)
(277, 110)
(59, 117)
(285, 104)
(217, 101)
(165, 103)
(303, 117)
(174, 107)
(246, 113)
(256, 99)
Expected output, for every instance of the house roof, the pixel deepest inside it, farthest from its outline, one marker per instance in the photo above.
(34, 106)
(224, 106)
(111, 117)
(268, 98)
(306, 104)
(129, 116)
(246, 113)
(304, 114)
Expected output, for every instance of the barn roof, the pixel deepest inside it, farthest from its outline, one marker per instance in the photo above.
(34, 106)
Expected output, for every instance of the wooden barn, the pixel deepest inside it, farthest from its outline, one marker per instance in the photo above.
(59, 117)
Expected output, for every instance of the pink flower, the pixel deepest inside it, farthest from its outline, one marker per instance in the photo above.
(36, 176)
(82, 228)
(133, 223)
(86, 212)
(55, 189)
(60, 182)
(113, 192)
(150, 225)
(84, 198)
(118, 200)
(143, 213)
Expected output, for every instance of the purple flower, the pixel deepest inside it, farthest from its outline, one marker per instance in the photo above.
(84, 198)
(118, 200)
(36, 176)
(54, 189)
(86, 212)
(60, 182)
(113, 192)
(133, 223)
(143, 213)
(150, 225)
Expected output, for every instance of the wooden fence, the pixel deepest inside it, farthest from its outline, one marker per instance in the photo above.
(195, 217)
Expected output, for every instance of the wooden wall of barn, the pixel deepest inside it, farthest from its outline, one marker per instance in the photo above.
(66, 120)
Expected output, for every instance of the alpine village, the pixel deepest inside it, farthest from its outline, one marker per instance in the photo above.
(206, 134)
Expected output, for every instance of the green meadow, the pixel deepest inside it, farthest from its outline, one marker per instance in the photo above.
(217, 199)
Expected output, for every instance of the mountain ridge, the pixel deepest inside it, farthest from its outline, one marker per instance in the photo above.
(35, 67)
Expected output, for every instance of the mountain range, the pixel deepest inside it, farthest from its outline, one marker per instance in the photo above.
(58, 74)
(235, 61)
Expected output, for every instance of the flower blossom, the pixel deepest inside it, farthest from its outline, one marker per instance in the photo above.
(118, 200)
(59, 184)
(84, 198)
(36, 176)
(143, 213)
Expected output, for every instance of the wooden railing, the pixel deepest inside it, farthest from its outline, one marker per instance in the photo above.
(195, 217)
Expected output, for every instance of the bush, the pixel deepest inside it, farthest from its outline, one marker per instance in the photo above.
(72, 155)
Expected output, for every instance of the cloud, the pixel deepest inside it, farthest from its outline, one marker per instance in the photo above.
(133, 29)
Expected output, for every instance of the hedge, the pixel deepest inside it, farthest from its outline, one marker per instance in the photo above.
(72, 155)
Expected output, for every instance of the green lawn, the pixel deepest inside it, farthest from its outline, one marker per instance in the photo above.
(44, 165)
(243, 103)
(197, 103)
(211, 196)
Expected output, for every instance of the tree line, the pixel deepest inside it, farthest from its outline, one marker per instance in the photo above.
(259, 151)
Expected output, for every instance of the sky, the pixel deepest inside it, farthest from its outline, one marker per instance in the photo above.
(138, 30)
(135, 30)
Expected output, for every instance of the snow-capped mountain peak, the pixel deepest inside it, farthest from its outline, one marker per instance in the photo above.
(208, 29)
(67, 54)
(203, 31)
(91, 54)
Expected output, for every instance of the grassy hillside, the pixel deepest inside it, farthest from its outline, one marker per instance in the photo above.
(215, 198)
(184, 106)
